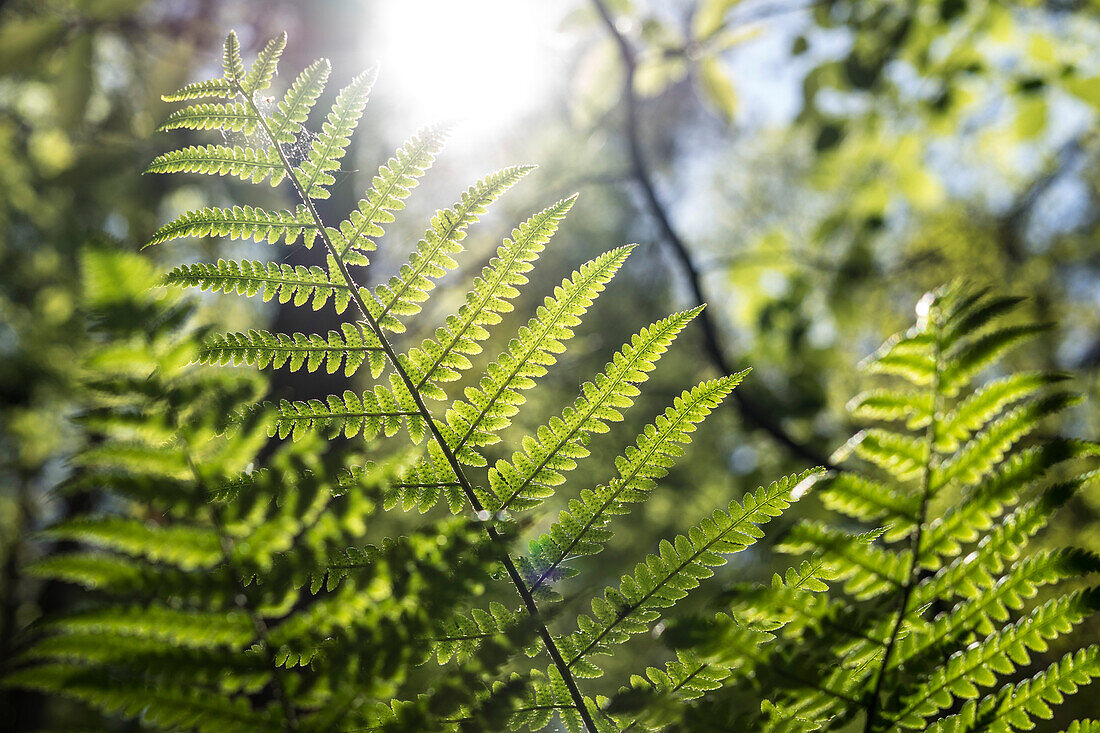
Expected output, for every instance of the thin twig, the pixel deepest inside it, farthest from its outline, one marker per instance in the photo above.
(467, 488)
(753, 413)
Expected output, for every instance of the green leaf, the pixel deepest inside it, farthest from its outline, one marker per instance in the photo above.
(315, 173)
(241, 222)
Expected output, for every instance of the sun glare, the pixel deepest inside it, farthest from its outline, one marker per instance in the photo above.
(480, 64)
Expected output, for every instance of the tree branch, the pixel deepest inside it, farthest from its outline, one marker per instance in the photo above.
(751, 412)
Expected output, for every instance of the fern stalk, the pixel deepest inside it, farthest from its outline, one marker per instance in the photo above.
(467, 487)
(918, 533)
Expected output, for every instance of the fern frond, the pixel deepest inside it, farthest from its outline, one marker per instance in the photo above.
(899, 455)
(868, 500)
(350, 414)
(440, 359)
(268, 279)
(406, 292)
(315, 172)
(490, 405)
(905, 355)
(972, 356)
(868, 569)
(581, 529)
(285, 122)
(532, 473)
(232, 65)
(973, 313)
(173, 626)
(248, 164)
(968, 575)
(885, 404)
(352, 346)
(202, 90)
(980, 407)
(963, 520)
(163, 707)
(995, 604)
(461, 634)
(188, 547)
(231, 117)
(391, 186)
(1014, 707)
(665, 578)
(1001, 652)
(241, 222)
(97, 571)
(972, 462)
(263, 68)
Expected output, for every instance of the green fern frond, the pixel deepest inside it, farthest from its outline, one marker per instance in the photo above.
(241, 222)
(1083, 726)
(664, 579)
(532, 474)
(95, 571)
(161, 707)
(232, 65)
(994, 604)
(296, 283)
(349, 414)
(352, 346)
(202, 90)
(1015, 707)
(972, 462)
(972, 356)
(490, 405)
(868, 570)
(391, 186)
(248, 164)
(188, 547)
(173, 626)
(999, 653)
(460, 635)
(886, 404)
(407, 291)
(230, 117)
(440, 359)
(967, 575)
(899, 455)
(582, 529)
(315, 172)
(865, 499)
(980, 407)
(963, 520)
(263, 68)
(293, 109)
(905, 355)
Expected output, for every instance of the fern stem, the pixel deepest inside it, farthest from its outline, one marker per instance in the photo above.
(467, 488)
(875, 703)
(225, 543)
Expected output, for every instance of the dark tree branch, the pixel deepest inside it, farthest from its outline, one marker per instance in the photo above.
(753, 413)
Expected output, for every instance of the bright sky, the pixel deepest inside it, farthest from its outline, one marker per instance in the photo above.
(481, 64)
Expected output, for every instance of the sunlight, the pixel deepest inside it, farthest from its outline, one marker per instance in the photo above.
(479, 64)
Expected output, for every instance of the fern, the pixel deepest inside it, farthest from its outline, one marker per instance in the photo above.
(248, 572)
(924, 621)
